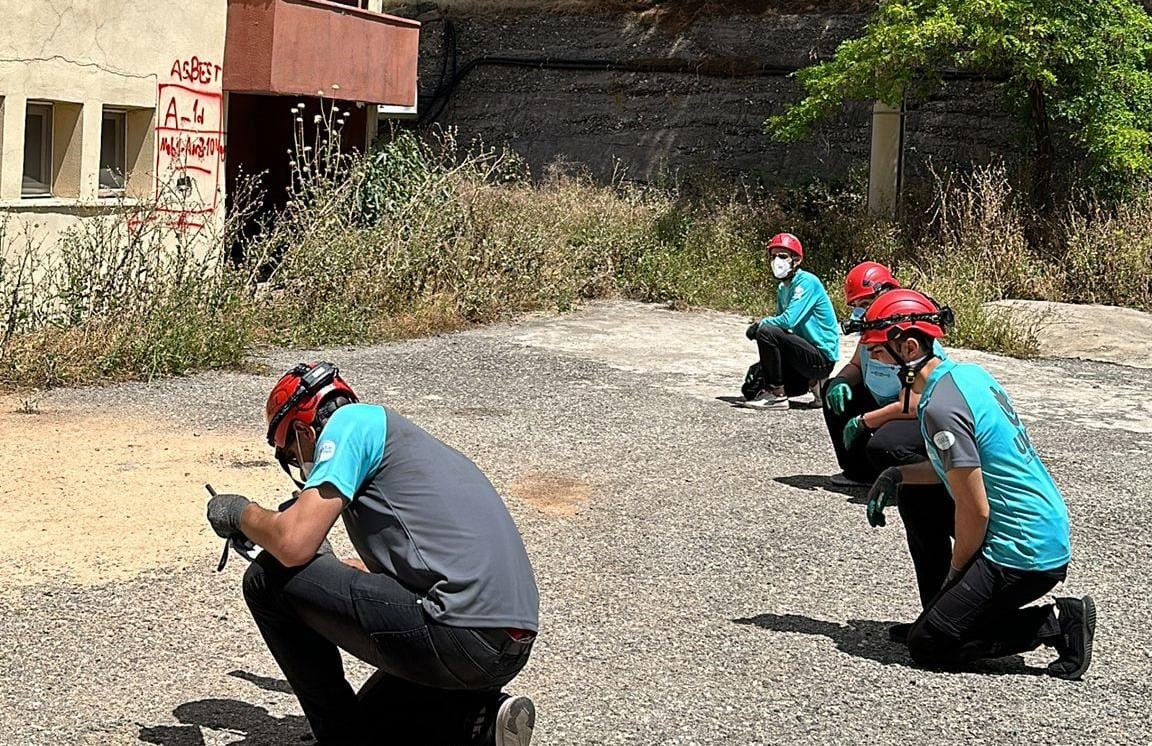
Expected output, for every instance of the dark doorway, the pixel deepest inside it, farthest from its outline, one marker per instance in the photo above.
(263, 134)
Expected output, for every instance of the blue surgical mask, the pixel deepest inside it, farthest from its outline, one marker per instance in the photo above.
(882, 379)
(858, 313)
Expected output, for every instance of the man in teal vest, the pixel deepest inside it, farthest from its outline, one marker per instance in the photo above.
(1012, 541)
(799, 345)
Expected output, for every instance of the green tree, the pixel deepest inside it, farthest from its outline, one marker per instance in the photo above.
(1084, 63)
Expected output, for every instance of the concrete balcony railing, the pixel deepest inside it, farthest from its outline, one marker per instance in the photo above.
(303, 47)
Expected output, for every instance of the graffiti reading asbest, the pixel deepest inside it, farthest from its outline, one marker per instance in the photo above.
(190, 141)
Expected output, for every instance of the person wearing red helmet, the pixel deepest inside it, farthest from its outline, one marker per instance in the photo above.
(864, 420)
(1012, 539)
(442, 599)
(799, 345)
(871, 431)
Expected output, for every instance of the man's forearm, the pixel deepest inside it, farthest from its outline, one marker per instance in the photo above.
(920, 472)
(970, 532)
(851, 373)
(272, 530)
(972, 513)
(877, 418)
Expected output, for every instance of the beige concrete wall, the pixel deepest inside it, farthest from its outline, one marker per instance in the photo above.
(158, 61)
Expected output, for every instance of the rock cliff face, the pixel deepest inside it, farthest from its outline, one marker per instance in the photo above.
(642, 87)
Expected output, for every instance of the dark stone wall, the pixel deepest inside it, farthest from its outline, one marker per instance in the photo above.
(704, 118)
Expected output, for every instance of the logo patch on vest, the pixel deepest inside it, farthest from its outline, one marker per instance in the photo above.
(944, 440)
(326, 451)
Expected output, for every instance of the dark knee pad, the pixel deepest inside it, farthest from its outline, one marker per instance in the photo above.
(928, 647)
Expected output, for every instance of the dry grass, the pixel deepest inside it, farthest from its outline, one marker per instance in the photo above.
(420, 238)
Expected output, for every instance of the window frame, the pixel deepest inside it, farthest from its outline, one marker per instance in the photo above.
(43, 188)
(120, 116)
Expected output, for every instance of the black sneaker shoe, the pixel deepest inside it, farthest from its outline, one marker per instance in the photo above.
(515, 721)
(899, 632)
(1077, 618)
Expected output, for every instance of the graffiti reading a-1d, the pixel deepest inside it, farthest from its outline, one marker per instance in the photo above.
(190, 141)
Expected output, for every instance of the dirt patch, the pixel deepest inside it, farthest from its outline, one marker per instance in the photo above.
(98, 498)
(553, 494)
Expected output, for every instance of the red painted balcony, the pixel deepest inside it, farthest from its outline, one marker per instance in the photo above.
(302, 47)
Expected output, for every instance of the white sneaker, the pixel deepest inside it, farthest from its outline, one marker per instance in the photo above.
(515, 721)
(842, 480)
(765, 400)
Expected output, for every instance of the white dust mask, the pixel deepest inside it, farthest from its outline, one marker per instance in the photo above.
(781, 268)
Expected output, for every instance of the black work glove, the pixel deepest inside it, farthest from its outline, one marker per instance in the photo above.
(885, 488)
(750, 332)
(224, 513)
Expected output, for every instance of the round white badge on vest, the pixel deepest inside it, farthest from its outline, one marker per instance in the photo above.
(327, 450)
(944, 440)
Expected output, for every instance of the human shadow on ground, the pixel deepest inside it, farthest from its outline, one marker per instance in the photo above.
(859, 495)
(255, 724)
(264, 682)
(866, 638)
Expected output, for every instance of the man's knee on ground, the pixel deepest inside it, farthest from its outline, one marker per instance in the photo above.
(930, 648)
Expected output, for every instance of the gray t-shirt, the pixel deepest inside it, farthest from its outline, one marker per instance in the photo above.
(423, 513)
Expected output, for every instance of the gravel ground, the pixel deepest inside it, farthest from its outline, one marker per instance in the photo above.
(708, 590)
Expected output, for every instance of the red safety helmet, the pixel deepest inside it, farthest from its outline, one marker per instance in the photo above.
(900, 311)
(867, 279)
(787, 241)
(297, 395)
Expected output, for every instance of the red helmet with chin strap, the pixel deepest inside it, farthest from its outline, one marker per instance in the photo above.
(787, 241)
(296, 397)
(867, 279)
(900, 311)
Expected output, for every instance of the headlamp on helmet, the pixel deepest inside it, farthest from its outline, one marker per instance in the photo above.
(308, 394)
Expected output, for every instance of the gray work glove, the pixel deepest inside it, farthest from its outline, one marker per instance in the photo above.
(750, 332)
(884, 489)
(224, 513)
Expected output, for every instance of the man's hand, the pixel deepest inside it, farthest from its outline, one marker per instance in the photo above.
(837, 393)
(885, 488)
(854, 428)
(953, 576)
(224, 513)
(750, 332)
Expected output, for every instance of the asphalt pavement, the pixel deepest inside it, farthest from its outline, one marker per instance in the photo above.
(700, 581)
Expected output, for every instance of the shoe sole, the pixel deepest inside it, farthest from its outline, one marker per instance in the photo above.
(1089, 635)
(515, 722)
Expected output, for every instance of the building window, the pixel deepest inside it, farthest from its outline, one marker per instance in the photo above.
(113, 148)
(37, 150)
